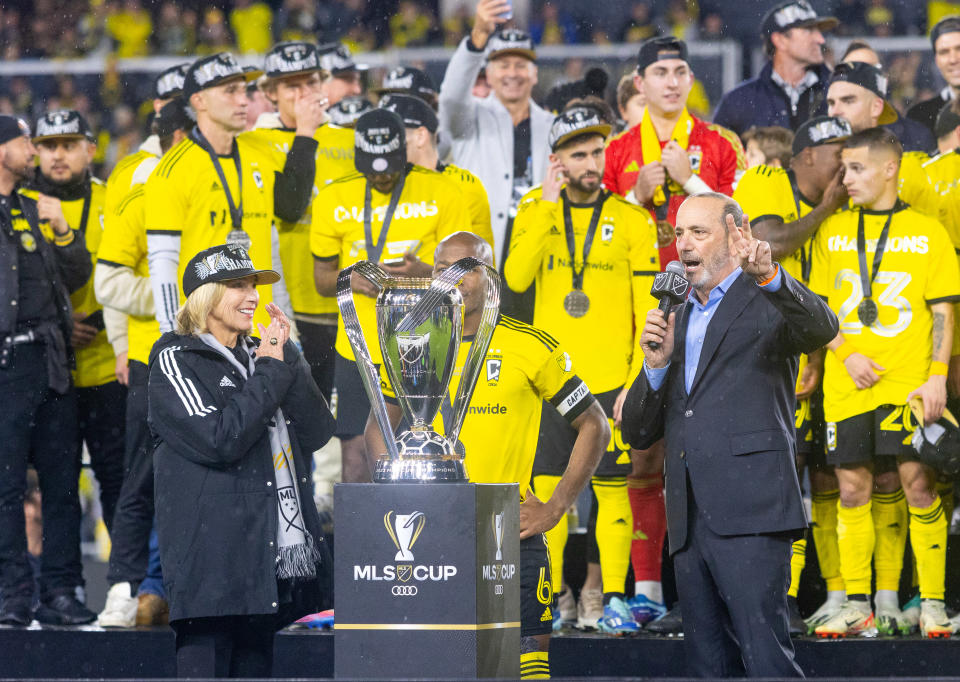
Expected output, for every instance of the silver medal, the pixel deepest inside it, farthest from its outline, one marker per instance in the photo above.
(576, 303)
(239, 238)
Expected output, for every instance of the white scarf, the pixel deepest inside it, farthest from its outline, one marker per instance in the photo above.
(298, 555)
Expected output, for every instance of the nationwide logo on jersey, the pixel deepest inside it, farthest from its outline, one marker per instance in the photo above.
(404, 530)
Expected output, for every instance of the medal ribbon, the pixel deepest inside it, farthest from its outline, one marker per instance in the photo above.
(652, 151)
(587, 240)
(236, 209)
(806, 255)
(374, 251)
(866, 277)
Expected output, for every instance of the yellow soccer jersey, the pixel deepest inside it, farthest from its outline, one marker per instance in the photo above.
(621, 266)
(430, 208)
(121, 180)
(523, 367)
(475, 195)
(95, 362)
(334, 159)
(184, 197)
(918, 269)
(125, 245)
(915, 188)
(943, 172)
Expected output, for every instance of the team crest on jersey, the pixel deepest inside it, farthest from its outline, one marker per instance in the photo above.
(258, 179)
(28, 242)
(564, 361)
(493, 364)
(695, 154)
(606, 230)
(831, 436)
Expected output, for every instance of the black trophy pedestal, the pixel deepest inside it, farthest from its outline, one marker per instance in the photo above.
(427, 580)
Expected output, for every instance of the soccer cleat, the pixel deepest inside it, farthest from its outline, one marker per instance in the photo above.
(120, 611)
(889, 619)
(617, 619)
(645, 609)
(911, 616)
(589, 609)
(933, 619)
(565, 614)
(854, 618)
(827, 610)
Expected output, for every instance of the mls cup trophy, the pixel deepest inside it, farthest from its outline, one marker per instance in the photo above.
(419, 328)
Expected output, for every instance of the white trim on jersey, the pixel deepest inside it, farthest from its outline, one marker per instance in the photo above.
(184, 387)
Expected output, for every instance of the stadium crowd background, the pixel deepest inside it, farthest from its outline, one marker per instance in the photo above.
(117, 102)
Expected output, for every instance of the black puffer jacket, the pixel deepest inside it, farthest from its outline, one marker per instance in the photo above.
(216, 501)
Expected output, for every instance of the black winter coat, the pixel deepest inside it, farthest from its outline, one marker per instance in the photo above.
(216, 502)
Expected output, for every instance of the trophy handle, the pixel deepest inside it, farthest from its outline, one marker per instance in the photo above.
(442, 285)
(351, 324)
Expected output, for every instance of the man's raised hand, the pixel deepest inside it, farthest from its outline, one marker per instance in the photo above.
(755, 256)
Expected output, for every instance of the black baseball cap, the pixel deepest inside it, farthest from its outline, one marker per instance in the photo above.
(413, 111)
(220, 264)
(820, 130)
(208, 72)
(950, 24)
(172, 116)
(794, 14)
(870, 77)
(655, 49)
(12, 127)
(511, 41)
(292, 58)
(346, 112)
(335, 59)
(575, 122)
(380, 143)
(169, 83)
(63, 123)
(947, 120)
(407, 80)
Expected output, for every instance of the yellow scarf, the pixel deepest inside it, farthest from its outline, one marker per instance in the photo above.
(650, 146)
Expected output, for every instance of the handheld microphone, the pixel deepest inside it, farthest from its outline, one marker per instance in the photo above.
(671, 288)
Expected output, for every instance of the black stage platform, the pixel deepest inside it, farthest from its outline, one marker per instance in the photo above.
(148, 652)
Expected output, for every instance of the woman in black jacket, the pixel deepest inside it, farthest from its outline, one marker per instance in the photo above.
(236, 421)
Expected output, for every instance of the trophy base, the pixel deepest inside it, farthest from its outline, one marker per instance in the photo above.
(419, 470)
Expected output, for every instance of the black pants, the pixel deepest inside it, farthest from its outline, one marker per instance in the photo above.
(733, 590)
(318, 341)
(225, 646)
(130, 537)
(40, 427)
(101, 423)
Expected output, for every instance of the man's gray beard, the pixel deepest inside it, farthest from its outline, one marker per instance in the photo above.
(718, 261)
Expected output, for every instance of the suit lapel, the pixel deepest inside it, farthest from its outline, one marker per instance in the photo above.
(740, 293)
(679, 343)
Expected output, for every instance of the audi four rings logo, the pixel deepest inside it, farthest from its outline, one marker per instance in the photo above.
(404, 590)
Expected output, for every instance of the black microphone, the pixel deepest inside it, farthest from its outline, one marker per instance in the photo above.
(671, 287)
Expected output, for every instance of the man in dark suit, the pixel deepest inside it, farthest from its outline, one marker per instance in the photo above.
(723, 397)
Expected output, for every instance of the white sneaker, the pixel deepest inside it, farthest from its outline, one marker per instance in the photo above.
(933, 619)
(854, 618)
(827, 610)
(567, 606)
(120, 611)
(589, 609)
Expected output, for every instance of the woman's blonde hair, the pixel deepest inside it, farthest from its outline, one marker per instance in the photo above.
(192, 316)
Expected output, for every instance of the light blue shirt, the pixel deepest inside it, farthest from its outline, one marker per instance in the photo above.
(700, 316)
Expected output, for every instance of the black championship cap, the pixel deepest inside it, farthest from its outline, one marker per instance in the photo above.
(794, 14)
(211, 71)
(291, 59)
(820, 130)
(12, 127)
(870, 77)
(63, 123)
(574, 123)
(220, 264)
(511, 41)
(937, 444)
(346, 112)
(380, 143)
(170, 82)
(949, 24)
(406, 80)
(172, 116)
(656, 49)
(336, 59)
(413, 111)
(947, 120)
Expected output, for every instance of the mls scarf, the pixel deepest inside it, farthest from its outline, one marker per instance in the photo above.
(298, 554)
(650, 145)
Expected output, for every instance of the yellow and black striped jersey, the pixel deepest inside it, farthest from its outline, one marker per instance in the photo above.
(621, 266)
(184, 198)
(125, 245)
(915, 188)
(943, 172)
(334, 159)
(523, 367)
(918, 269)
(474, 193)
(430, 208)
